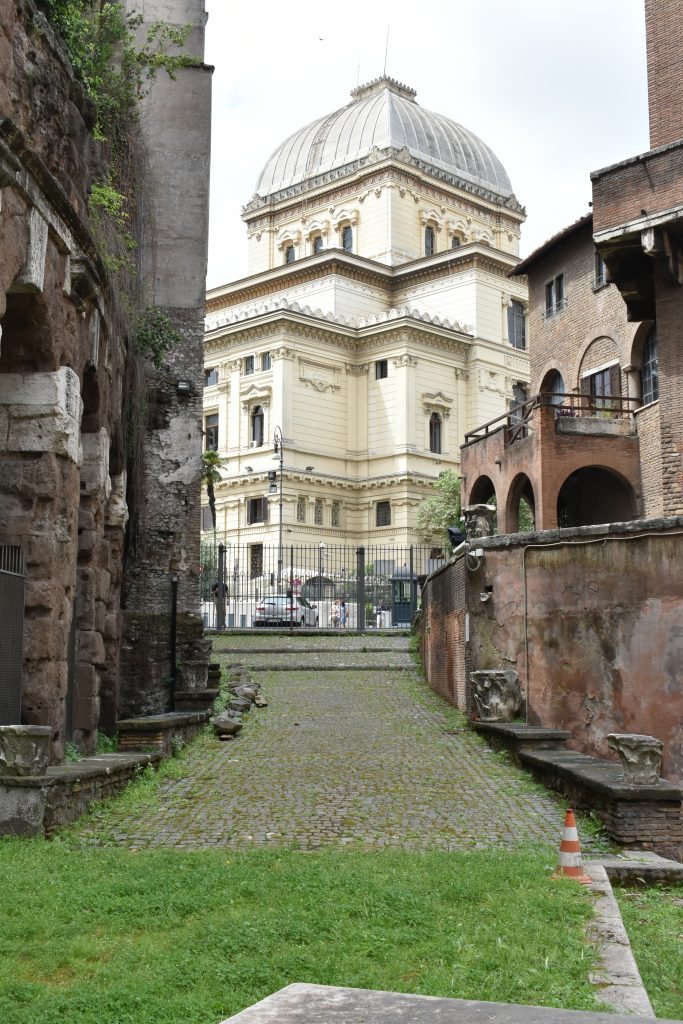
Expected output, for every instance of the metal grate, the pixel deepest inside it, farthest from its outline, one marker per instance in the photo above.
(11, 632)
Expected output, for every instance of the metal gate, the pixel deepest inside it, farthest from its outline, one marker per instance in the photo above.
(320, 586)
(12, 582)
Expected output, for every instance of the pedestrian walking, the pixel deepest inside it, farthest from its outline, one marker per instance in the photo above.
(342, 614)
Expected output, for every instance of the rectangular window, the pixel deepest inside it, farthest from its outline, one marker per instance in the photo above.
(248, 364)
(207, 521)
(600, 270)
(265, 361)
(336, 513)
(257, 510)
(381, 369)
(301, 510)
(383, 513)
(211, 433)
(318, 514)
(517, 325)
(210, 377)
(554, 295)
(255, 560)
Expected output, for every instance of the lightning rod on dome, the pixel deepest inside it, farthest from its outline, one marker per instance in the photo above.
(386, 50)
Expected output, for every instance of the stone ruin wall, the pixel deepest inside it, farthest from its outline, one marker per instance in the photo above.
(61, 359)
(62, 366)
(590, 618)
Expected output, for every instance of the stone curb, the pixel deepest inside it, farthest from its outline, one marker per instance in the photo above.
(616, 974)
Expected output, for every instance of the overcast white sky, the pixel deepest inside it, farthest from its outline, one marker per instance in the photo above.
(555, 89)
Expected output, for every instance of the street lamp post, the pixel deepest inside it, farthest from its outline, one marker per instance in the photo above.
(279, 455)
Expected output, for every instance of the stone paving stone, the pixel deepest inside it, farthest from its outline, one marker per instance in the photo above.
(366, 759)
(259, 640)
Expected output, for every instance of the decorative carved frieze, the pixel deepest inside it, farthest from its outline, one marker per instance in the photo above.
(404, 360)
(357, 369)
(319, 376)
(437, 402)
(640, 755)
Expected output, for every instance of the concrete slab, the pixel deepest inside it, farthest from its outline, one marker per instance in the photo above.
(322, 1004)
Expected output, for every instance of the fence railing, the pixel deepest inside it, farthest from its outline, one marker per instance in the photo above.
(324, 586)
(11, 632)
(517, 422)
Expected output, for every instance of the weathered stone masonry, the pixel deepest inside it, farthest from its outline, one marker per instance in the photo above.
(63, 485)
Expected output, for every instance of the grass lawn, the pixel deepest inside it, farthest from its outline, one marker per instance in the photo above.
(654, 922)
(112, 936)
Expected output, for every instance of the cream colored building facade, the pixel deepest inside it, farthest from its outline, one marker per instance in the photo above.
(377, 324)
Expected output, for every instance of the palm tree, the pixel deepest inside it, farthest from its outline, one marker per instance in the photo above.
(212, 463)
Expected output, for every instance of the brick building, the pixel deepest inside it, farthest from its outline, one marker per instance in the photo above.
(601, 440)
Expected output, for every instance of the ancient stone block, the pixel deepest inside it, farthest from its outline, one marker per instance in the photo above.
(95, 465)
(90, 647)
(479, 520)
(32, 276)
(44, 412)
(21, 810)
(44, 640)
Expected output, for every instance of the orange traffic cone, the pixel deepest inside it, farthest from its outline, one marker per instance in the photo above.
(569, 865)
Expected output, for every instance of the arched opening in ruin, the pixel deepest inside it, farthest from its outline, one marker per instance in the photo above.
(593, 495)
(484, 493)
(520, 508)
(27, 342)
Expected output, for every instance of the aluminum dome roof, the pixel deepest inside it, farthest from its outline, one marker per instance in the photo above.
(382, 115)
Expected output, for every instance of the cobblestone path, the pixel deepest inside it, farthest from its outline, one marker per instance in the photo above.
(368, 758)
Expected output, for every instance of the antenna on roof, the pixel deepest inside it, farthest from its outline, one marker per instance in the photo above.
(386, 50)
(358, 79)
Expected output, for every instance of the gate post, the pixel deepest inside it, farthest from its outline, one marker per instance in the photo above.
(413, 587)
(220, 596)
(360, 590)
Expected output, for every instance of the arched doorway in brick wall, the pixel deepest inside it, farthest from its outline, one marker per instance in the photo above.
(483, 492)
(520, 506)
(593, 495)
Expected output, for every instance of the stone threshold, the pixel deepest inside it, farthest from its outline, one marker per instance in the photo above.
(308, 650)
(331, 668)
(323, 1004)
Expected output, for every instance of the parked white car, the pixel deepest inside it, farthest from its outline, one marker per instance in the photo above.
(279, 610)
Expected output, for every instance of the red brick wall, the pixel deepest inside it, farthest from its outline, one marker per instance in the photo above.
(651, 182)
(669, 298)
(443, 634)
(664, 32)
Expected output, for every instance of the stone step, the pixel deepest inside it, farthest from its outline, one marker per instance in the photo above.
(323, 1004)
(292, 661)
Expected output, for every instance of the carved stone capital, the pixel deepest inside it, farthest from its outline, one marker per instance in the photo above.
(496, 694)
(479, 520)
(24, 749)
(357, 369)
(640, 755)
(404, 360)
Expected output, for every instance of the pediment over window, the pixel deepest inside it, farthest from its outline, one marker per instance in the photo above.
(256, 394)
(437, 402)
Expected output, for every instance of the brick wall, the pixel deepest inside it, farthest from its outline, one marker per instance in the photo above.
(443, 635)
(647, 420)
(664, 33)
(669, 299)
(649, 182)
(559, 342)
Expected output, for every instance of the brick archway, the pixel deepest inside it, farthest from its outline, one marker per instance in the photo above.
(521, 487)
(594, 494)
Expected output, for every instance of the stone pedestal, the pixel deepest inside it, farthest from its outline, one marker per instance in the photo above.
(640, 755)
(496, 694)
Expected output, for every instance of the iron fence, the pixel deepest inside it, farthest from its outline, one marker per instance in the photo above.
(12, 581)
(320, 586)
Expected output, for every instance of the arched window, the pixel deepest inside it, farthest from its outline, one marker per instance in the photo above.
(430, 243)
(649, 373)
(257, 426)
(347, 238)
(553, 384)
(290, 254)
(317, 244)
(435, 433)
